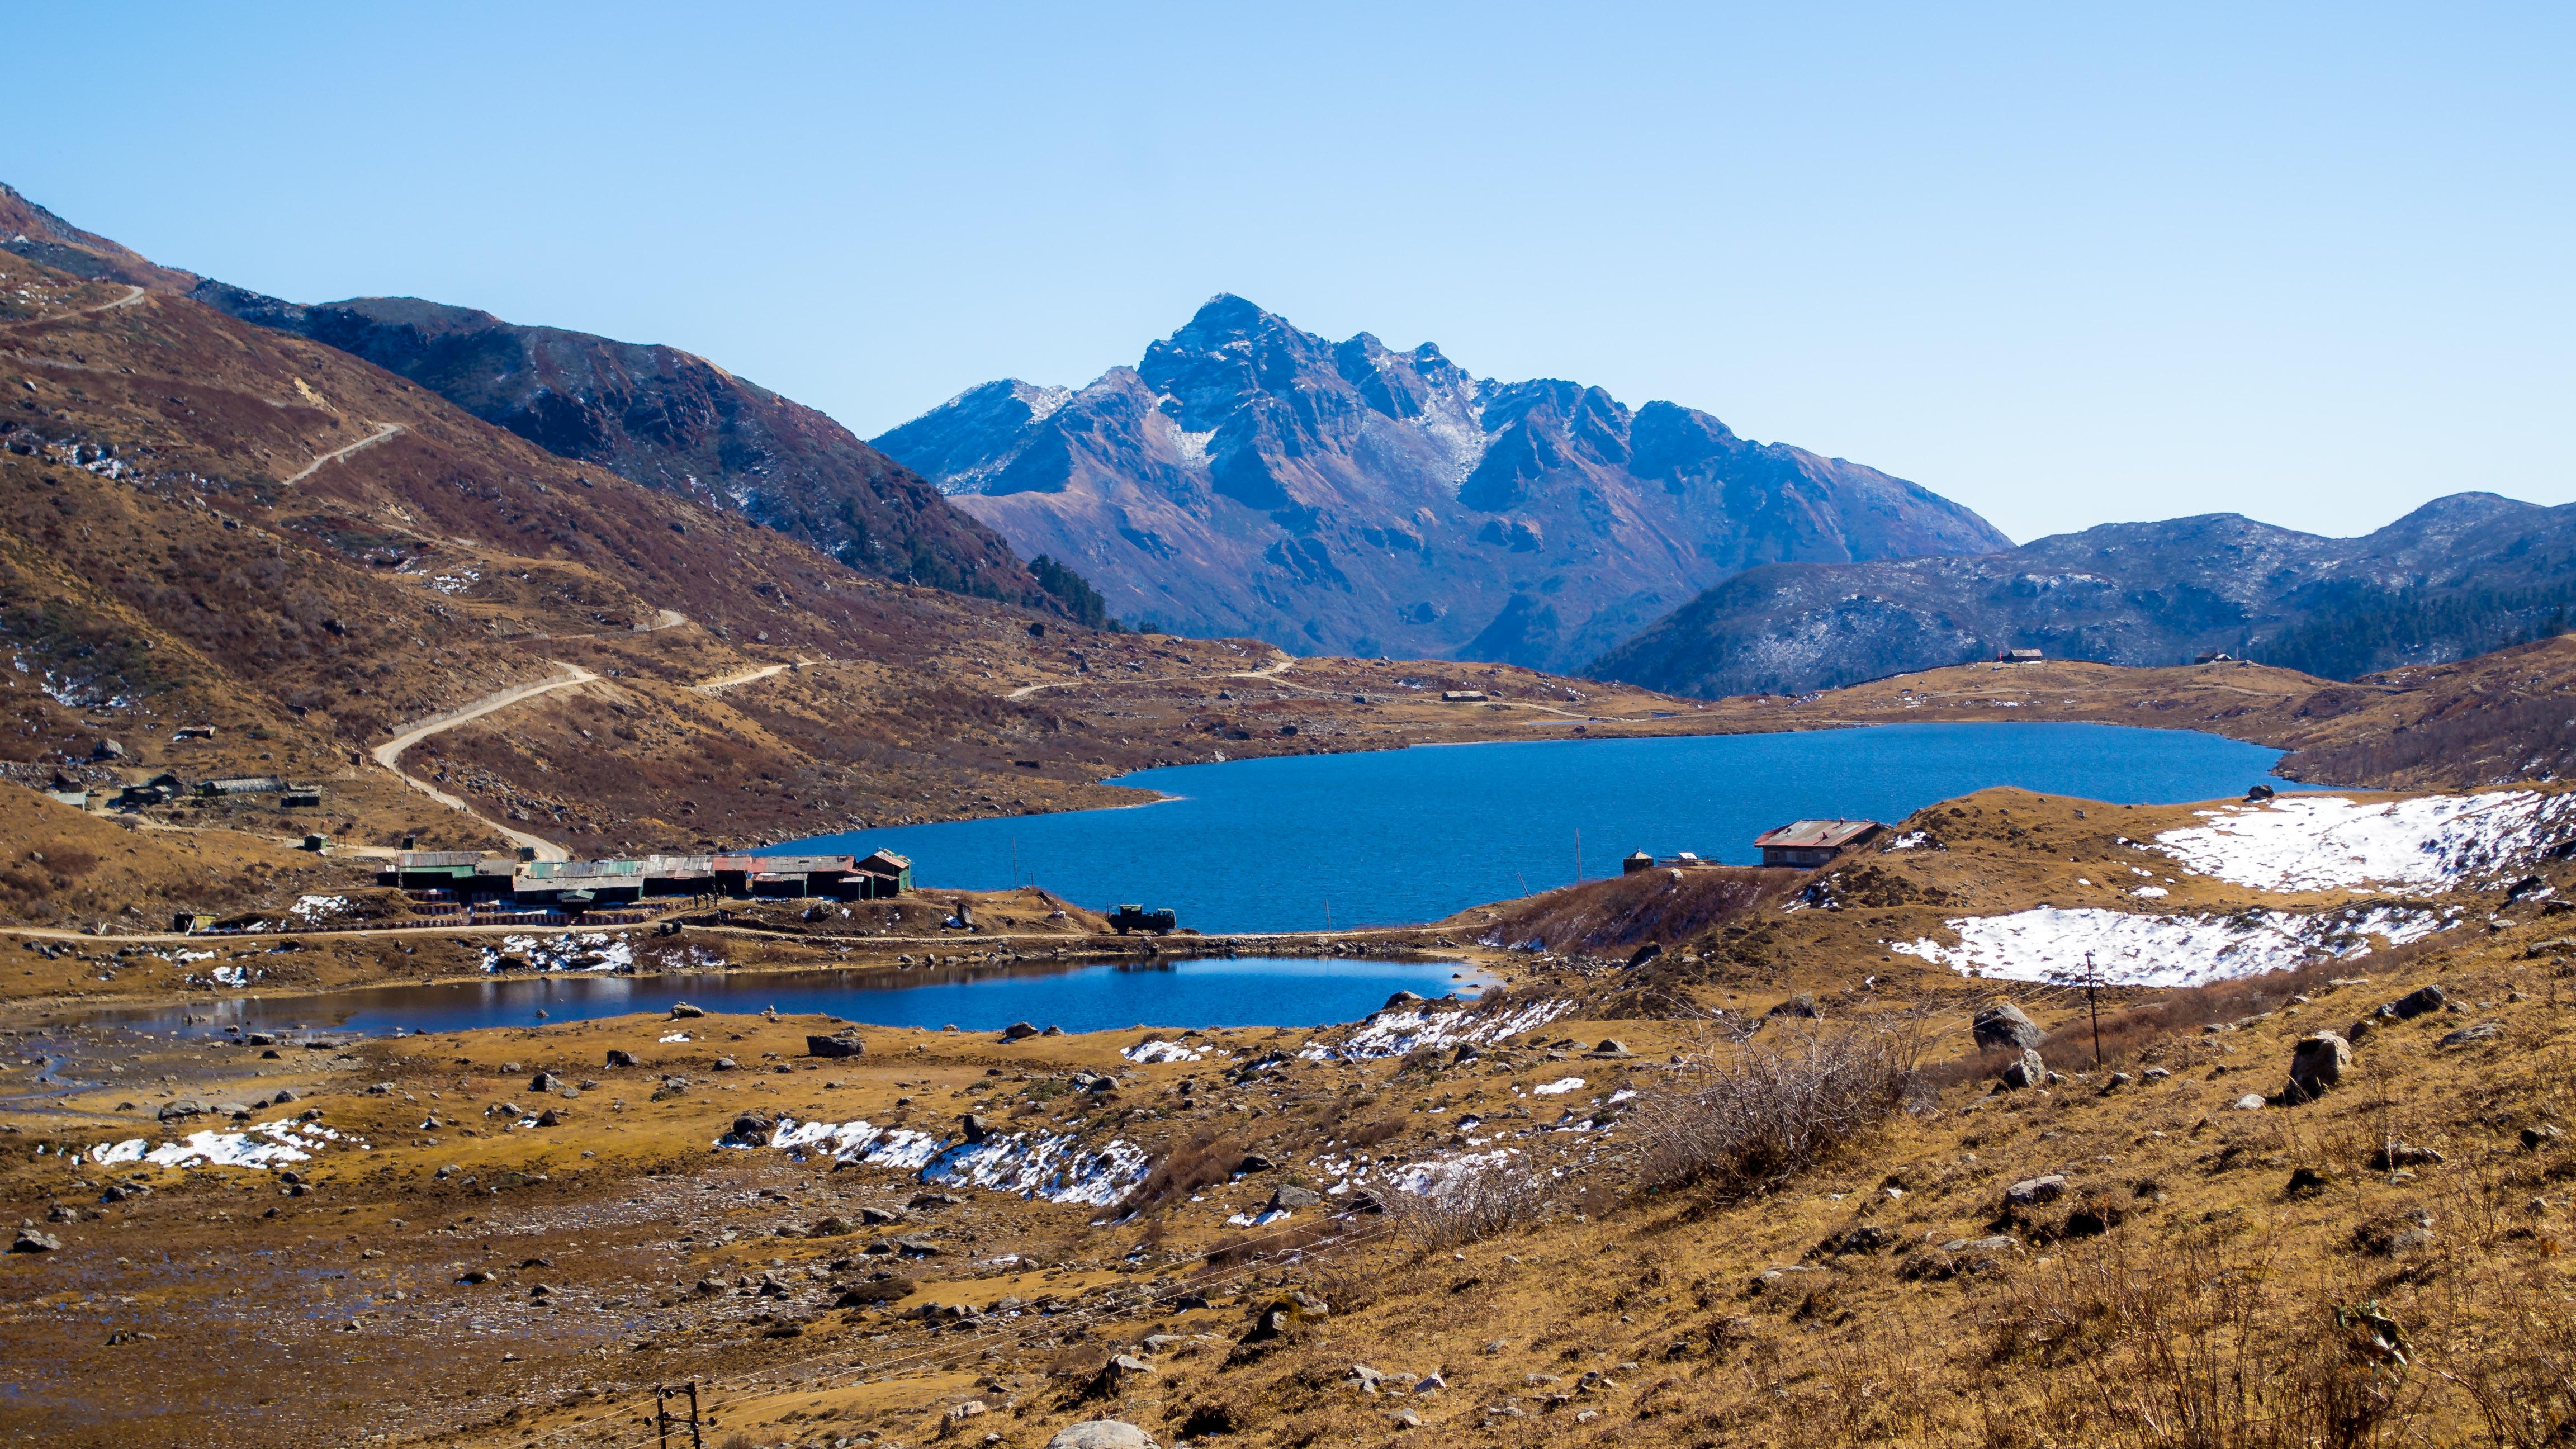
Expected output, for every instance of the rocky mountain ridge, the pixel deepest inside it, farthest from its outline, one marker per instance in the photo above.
(1247, 477)
(2463, 575)
(649, 413)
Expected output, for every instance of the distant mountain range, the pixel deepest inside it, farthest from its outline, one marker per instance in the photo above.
(650, 414)
(1250, 478)
(2462, 575)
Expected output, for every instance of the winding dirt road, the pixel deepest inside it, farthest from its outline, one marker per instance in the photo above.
(745, 676)
(390, 752)
(132, 295)
(1272, 670)
(383, 431)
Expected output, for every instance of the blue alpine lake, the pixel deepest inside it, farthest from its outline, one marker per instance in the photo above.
(1283, 991)
(1403, 836)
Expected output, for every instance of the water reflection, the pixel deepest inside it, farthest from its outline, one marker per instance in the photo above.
(1090, 996)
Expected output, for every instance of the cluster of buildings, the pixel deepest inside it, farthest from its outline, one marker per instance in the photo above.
(467, 875)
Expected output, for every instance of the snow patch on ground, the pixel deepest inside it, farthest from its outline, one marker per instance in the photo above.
(2323, 842)
(312, 909)
(2130, 949)
(1055, 1167)
(1557, 1088)
(1397, 1032)
(1158, 1050)
(278, 1142)
(595, 951)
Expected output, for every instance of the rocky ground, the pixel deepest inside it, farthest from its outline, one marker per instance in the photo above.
(1461, 1220)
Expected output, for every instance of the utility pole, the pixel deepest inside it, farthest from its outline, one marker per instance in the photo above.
(1015, 862)
(1328, 913)
(2091, 981)
(1578, 855)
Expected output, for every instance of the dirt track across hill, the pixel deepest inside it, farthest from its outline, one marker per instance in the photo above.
(389, 753)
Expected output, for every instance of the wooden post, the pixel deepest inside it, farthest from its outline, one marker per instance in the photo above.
(2094, 1002)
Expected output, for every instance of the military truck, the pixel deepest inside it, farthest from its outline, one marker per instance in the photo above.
(1136, 918)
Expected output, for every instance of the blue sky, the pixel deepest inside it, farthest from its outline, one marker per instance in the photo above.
(2065, 264)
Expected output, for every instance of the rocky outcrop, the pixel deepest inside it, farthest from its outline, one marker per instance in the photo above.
(1246, 477)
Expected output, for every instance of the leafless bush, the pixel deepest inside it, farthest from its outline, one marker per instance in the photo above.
(1747, 1111)
(1470, 1205)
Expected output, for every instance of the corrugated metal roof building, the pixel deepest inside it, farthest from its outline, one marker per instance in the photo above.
(1813, 842)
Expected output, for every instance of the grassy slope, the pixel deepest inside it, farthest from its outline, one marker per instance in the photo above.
(2197, 1272)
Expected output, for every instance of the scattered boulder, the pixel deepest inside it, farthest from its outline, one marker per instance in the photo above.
(834, 1227)
(1802, 1004)
(550, 1118)
(752, 1129)
(1102, 1434)
(842, 1043)
(1867, 1238)
(1018, 1031)
(1289, 1198)
(2400, 1154)
(916, 1247)
(31, 1241)
(920, 1200)
(1117, 1377)
(2423, 1001)
(2025, 1071)
(1052, 1031)
(2002, 1025)
(1401, 998)
(880, 1216)
(1610, 1047)
(2032, 1191)
(682, 1009)
(2317, 1064)
(1254, 1162)
(2540, 1135)
(545, 1082)
(2470, 1035)
(184, 1107)
(620, 1057)
(2250, 1102)
(973, 1128)
(1648, 952)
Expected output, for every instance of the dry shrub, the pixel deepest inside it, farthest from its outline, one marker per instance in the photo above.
(1208, 1160)
(1470, 1205)
(2187, 1347)
(1747, 1112)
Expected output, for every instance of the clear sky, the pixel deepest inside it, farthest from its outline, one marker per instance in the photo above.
(2062, 263)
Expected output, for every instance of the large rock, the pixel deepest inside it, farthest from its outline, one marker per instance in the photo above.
(2317, 1064)
(2001, 1025)
(973, 1128)
(1292, 1198)
(1102, 1434)
(2033, 1191)
(681, 1010)
(2026, 1070)
(2422, 1001)
(842, 1043)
